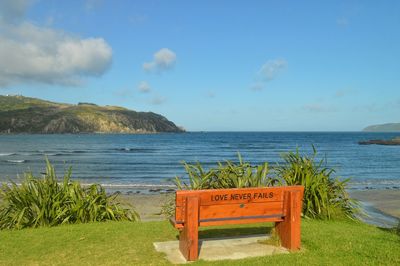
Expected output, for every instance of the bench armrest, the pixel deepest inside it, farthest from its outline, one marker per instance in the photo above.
(175, 224)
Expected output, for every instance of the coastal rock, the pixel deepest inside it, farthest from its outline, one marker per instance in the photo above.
(395, 141)
(19, 114)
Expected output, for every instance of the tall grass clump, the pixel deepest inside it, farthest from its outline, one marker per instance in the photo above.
(47, 202)
(325, 196)
(227, 174)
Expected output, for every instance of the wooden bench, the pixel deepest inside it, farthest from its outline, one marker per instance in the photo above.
(195, 208)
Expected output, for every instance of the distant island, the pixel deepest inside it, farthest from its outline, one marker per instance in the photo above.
(390, 127)
(19, 114)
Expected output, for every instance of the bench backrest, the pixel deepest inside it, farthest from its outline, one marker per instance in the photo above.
(236, 206)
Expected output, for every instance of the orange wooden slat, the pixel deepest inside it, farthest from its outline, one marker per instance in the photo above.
(244, 221)
(227, 196)
(233, 210)
(238, 210)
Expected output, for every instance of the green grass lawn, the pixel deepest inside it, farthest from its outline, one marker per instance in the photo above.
(125, 243)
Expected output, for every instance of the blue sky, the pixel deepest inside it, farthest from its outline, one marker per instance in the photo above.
(211, 65)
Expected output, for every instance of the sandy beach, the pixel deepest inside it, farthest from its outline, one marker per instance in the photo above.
(387, 201)
(147, 205)
(383, 206)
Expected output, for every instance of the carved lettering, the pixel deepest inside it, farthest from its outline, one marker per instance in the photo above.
(242, 196)
(219, 197)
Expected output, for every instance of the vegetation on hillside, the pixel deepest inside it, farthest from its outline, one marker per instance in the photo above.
(389, 127)
(20, 114)
(48, 201)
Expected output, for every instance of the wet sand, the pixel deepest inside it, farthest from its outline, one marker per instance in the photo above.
(385, 200)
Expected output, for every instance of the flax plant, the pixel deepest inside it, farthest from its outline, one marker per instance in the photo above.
(47, 202)
(325, 196)
(226, 175)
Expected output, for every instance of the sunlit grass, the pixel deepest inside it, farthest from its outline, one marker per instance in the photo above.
(125, 243)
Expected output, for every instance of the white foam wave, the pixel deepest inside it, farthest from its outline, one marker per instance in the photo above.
(16, 161)
(6, 154)
(133, 186)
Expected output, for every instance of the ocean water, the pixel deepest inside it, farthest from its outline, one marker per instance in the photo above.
(134, 162)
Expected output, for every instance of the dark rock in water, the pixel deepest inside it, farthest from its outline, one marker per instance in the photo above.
(137, 191)
(155, 190)
(170, 190)
(129, 192)
(395, 141)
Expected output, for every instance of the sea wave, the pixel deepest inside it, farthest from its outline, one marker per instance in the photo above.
(133, 149)
(16, 161)
(133, 186)
(6, 154)
(375, 184)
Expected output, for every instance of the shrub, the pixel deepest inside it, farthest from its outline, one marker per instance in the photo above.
(226, 175)
(325, 197)
(45, 202)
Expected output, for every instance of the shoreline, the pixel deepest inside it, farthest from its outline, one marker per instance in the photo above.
(381, 206)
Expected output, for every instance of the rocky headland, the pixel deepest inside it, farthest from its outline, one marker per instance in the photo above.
(389, 127)
(19, 114)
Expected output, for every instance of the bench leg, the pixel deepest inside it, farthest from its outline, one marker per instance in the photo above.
(189, 235)
(289, 229)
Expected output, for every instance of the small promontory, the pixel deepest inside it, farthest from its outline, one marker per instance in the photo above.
(19, 114)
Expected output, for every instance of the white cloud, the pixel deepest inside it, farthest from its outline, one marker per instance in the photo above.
(344, 92)
(137, 19)
(124, 93)
(342, 22)
(158, 100)
(271, 69)
(93, 4)
(340, 93)
(163, 59)
(30, 53)
(318, 108)
(210, 94)
(257, 86)
(13, 10)
(144, 87)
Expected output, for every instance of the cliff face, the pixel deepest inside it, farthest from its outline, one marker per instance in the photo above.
(20, 114)
(390, 127)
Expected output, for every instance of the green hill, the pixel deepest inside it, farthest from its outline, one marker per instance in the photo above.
(19, 114)
(390, 127)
